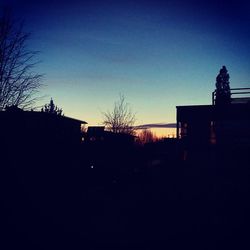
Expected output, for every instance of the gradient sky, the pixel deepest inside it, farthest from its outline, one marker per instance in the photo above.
(159, 54)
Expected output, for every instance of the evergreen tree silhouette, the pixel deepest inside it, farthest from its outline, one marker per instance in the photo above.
(51, 108)
(223, 93)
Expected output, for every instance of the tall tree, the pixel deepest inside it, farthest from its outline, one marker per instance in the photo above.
(121, 119)
(18, 82)
(51, 108)
(223, 93)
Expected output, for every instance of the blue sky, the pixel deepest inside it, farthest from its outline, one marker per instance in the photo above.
(159, 54)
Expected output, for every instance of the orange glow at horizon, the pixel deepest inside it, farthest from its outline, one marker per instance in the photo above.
(163, 132)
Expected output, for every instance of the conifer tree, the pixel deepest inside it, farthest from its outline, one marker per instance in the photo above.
(51, 108)
(223, 93)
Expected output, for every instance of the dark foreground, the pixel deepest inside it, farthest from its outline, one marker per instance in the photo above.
(57, 201)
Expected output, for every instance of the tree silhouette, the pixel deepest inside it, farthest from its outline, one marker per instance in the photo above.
(146, 136)
(18, 82)
(51, 108)
(223, 93)
(121, 119)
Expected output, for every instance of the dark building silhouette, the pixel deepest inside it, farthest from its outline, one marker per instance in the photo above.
(95, 133)
(99, 134)
(38, 130)
(208, 128)
(106, 149)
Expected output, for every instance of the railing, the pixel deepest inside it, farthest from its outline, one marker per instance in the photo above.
(244, 92)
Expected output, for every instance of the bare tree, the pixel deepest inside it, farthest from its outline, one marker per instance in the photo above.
(121, 119)
(18, 82)
(146, 136)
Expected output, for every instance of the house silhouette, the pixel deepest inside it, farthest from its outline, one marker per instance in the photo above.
(37, 135)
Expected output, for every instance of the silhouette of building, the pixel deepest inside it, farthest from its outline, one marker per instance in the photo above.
(95, 133)
(20, 127)
(99, 134)
(202, 129)
(106, 149)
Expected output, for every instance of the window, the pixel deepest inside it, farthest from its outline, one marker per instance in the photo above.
(184, 129)
(212, 133)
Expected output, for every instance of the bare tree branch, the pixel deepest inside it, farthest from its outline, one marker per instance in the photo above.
(18, 83)
(146, 136)
(121, 119)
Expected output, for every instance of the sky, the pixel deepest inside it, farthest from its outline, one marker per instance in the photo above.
(158, 54)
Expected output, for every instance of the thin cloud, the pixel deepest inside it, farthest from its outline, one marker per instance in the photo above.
(156, 125)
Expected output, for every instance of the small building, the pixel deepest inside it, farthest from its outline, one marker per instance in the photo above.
(95, 133)
(98, 134)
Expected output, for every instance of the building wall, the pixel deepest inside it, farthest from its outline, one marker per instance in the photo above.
(203, 127)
